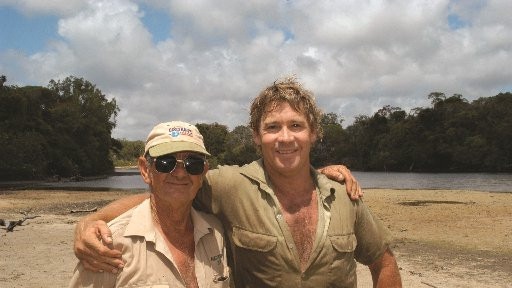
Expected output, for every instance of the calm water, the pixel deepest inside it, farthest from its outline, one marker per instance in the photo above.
(463, 181)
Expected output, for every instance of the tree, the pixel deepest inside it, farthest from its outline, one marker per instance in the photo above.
(329, 149)
(23, 133)
(3, 79)
(126, 153)
(214, 139)
(85, 118)
(240, 148)
(63, 130)
(436, 97)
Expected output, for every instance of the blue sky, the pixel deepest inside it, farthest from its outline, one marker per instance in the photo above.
(157, 22)
(30, 33)
(25, 33)
(164, 60)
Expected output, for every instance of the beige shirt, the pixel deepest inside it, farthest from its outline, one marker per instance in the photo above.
(148, 261)
(263, 252)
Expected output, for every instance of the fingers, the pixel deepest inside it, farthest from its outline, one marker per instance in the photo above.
(334, 172)
(93, 246)
(96, 266)
(106, 235)
(342, 174)
(353, 188)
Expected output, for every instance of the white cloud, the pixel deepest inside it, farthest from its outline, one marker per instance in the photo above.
(357, 56)
(53, 7)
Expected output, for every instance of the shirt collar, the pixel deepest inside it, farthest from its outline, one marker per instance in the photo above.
(256, 172)
(141, 223)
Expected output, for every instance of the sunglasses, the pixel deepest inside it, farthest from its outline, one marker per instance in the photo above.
(194, 165)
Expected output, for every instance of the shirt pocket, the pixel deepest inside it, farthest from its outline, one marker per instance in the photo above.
(343, 262)
(343, 243)
(253, 241)
(257, 258)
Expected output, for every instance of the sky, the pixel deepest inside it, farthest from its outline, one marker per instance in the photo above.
(204, 61)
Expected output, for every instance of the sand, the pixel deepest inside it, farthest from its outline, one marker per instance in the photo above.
(443, 238)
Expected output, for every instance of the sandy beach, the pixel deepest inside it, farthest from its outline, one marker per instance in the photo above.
(443, 238)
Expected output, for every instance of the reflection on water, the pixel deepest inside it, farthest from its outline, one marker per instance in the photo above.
(122, 179)
(130, 179)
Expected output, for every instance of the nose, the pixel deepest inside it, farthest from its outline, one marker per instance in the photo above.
(285, 135)
(179, 169)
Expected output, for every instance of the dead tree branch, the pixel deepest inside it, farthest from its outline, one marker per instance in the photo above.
(86, 210)
(11, 224)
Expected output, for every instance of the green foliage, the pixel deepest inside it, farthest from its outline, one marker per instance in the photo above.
(127, 152)
(228, 148)
(240, 148)
(60, 130)
(65, 130)
(214, 138)
(329, 149)
(451, 136)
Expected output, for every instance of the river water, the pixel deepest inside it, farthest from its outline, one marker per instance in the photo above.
(130, 179)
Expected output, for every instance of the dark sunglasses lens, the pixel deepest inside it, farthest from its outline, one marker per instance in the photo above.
(165, 164)
(194, 165)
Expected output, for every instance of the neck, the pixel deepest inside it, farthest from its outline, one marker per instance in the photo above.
(171, 218)
(297, 184)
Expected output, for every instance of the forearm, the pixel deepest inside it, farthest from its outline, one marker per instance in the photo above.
(385, 271)
(116, 208)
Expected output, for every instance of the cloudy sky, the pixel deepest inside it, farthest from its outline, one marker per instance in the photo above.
(203, 61)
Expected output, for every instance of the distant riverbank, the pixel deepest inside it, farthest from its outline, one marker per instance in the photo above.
(129, 179)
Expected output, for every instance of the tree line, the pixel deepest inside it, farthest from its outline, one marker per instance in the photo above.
(64, 130)
(453, 135)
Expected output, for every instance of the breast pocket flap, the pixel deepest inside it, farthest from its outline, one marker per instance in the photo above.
(253, 241)
(344, 243)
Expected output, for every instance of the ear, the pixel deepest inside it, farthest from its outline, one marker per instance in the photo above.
(256, 137)
(206, 167)
(144, 170)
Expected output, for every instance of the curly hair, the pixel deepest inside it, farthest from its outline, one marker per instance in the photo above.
(287, 90)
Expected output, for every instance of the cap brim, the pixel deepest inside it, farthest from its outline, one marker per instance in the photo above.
(174, 147)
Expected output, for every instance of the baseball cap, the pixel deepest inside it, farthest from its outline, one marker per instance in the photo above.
(172, 137)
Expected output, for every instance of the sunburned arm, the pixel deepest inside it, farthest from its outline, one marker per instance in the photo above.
(93, 239)
(385, 271)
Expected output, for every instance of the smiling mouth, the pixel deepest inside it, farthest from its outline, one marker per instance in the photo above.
(286, 151)
(177, 184)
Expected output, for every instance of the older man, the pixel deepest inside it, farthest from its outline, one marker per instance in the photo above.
(286, 225)
(164, 240)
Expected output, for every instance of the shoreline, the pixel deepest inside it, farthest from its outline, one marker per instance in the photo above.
(442, 238)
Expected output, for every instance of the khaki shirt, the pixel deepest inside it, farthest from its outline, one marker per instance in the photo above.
(148, 261)
(261, 248)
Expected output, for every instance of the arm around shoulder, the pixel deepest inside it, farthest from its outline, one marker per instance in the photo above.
(118, 207)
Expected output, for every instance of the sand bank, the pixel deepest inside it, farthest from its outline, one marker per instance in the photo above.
(443, 238)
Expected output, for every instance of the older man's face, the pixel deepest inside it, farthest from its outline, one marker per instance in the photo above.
(177, 187)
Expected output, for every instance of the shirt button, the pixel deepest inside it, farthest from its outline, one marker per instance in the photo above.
(278, 216)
